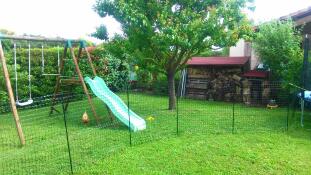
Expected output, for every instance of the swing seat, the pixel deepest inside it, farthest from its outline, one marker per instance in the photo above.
(26, 103)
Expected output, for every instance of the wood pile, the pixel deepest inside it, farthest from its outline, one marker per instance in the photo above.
(246, 91)
(226, 84)
(220, 84)
(256, 92)
(266, 91)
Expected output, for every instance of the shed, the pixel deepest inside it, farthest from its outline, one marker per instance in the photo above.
(215, 78)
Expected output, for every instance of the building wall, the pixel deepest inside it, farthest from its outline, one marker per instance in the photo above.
(255, 60)
(238, 49)
(306, 28)
(243, 48)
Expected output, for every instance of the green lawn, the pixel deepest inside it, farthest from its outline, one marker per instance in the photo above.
(205, 144)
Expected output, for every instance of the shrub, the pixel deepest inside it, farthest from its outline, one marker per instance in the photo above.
(114, 71)
(278, 45)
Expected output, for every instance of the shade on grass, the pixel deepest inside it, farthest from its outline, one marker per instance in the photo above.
(205, 144)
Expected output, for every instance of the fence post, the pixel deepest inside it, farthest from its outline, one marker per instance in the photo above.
(291, 104)
(67, 137)
(233, 115)
(287, 117)
(177, 116)
(128, 110)
(180, 94)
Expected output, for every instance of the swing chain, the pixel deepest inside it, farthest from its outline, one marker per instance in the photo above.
(30, 101)
(43, 63)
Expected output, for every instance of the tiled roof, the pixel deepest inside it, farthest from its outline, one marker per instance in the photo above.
(256, 74)
(218, 61)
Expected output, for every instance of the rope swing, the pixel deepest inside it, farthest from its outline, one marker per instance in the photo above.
(29, 101)
(43, 63)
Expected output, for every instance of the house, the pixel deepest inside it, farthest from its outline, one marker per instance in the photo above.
(236, 77)
(302, 20)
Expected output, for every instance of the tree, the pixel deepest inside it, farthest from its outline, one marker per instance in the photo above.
(6, 32)
(101, 33)
(277, 44)
(6, 44)
(168, 33)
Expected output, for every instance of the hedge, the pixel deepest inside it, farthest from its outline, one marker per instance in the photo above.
(113, 70)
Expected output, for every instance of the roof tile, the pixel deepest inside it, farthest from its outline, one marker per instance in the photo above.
(218, 61)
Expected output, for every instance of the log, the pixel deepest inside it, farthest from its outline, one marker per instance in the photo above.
(245, 83)
(236, 77)
(246, 91)
(228, 97)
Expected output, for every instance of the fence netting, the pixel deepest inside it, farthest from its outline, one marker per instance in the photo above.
(238, 111)
(45, 151)
(48, 151)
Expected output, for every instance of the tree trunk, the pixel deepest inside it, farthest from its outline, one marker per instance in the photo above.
(154, 76)
(171, 90)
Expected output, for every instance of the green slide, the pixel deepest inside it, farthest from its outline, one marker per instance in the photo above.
(115, 104)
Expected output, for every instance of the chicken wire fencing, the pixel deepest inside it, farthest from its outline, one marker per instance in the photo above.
(70, 140)
(45, 151)
(60, 139)
(258, 106)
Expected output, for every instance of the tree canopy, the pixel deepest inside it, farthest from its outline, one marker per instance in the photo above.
(278, 44)
(6, 32)
(167, 33)
(101, 33)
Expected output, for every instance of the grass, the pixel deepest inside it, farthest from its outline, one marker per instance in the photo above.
(205, 144)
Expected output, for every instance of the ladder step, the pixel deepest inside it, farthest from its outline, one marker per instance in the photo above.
(70, 81)
(50, 74)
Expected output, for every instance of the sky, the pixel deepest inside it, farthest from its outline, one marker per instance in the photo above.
(76, 18)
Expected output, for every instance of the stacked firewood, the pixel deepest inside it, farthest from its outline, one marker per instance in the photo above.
(256, 93)
(220, 84)
(227, 84)
(266, 91)
(246, 91)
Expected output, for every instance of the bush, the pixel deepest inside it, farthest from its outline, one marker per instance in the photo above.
(114, 71)
(157, 85)
(160, 86)
(144, 79)
(278, 45)
(40, 85)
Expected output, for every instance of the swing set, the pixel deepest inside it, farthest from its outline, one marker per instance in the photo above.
(60, 79)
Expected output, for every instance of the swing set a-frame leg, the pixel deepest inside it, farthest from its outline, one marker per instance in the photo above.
(58, 78)
(84, 85)
(80, 76)
(95, 74)
(11, 97)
